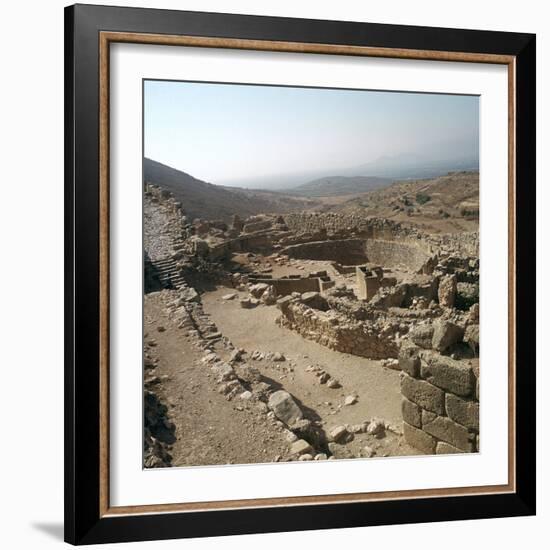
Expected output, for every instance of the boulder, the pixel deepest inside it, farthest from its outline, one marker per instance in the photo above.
(258, 289)
(300, 447)
(284, 302)
(471, 337)
(269, 297)
(376, 427)
(446, 334)
(422, 335)
(338, 433)
(284, 407)
(447, 291)
(189, 294)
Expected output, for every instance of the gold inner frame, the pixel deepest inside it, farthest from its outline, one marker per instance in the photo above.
(105, 39)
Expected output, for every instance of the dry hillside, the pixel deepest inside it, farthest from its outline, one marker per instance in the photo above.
(448, 203)
(200, 199)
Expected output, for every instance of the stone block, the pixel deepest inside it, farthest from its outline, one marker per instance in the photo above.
(423, 394)
(300, 447)
(412, 413)
(419, 439)
(409, 361)
(462, 411)
(445, 335)
(443, 448)
(422, 336)
(446, 373)
(445, 429)
(284, 407)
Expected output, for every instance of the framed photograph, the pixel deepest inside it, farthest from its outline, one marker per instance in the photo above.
(300, 274)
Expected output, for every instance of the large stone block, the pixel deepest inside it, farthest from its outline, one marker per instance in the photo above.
(445, 335)
(409, 361)
(446, 449)
(419, 439)
(422, 336)
(445, 429)
(447, 291)
(284, 407)
(412, 413)
(448, 374)
(471, 337)
(424, 394)
(463, 411)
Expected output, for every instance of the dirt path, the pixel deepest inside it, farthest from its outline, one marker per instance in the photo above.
(376, 387)
(209, 428)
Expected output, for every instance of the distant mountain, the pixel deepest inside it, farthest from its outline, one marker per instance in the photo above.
(413, 166)
(200, 199)
(340, 185)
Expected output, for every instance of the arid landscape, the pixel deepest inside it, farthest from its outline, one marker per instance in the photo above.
(323, 323)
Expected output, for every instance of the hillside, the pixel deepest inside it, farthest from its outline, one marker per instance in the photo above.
(200, 199)
(340, 185)
(446, 203)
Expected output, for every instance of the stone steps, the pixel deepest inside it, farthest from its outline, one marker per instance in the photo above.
(168, 273)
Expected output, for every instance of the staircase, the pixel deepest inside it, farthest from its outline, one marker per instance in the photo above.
(168, 273)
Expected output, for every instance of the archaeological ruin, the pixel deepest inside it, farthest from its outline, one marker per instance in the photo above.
(326, 335)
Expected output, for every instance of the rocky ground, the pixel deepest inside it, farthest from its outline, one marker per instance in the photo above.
(239, 371)
(365, 390)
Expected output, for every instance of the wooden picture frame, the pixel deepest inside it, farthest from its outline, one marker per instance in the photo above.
(89, 32)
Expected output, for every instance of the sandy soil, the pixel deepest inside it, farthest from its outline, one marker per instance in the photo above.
(376, 387)
(209, 428)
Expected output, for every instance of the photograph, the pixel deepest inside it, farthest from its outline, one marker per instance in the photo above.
(311, 273)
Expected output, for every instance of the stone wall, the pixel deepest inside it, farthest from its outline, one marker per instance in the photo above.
(440, 403)
(345, 251)
(338, 332)
(331, 222)
(412, 255)
(283, 287)
(465, 244)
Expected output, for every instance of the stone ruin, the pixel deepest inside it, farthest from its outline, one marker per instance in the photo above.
(388, 292)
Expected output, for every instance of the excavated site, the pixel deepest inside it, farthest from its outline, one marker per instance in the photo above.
(306, 336)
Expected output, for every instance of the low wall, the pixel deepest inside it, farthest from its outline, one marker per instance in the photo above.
(395, 253)
(345, 251)
(284, 287)
(440, 403)
(338, 332)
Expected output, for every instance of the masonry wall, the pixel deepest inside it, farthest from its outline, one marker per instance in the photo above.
(397, 253)
(345, 251)
(284, 287)
(440, 402)
(346, 335)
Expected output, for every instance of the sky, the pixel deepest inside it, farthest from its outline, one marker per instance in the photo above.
(233, 134)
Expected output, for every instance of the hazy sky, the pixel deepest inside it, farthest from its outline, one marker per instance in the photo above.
(224, 133)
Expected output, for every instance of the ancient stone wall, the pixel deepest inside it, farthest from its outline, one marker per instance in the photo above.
(395, 253)
(283, 287)
(338, 332)
(345, 251)
(331, 222)
(440, 403)
(463, 244)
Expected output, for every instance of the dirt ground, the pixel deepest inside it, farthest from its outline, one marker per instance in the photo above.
(209, 428)
(375, 387)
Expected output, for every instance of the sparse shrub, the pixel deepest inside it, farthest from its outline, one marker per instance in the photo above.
(422, 198)
(469, 212)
